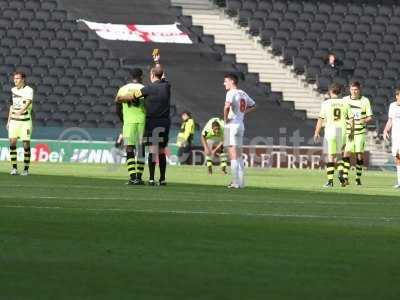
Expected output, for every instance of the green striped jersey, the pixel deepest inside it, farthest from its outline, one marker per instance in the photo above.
(132, 112)
(361, 109)
(208, 133)
(335, 112)
(19, 98)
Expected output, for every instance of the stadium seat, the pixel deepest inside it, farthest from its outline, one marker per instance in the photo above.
(49, 5)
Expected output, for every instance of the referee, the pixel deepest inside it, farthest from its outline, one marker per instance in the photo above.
(157, 97)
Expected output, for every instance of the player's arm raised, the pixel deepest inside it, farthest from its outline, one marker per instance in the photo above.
(388, 126)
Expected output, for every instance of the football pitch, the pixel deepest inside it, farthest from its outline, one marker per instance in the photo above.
(78, 232)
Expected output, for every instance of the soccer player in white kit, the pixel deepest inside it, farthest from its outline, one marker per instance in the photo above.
(237, 105)
(393, 124)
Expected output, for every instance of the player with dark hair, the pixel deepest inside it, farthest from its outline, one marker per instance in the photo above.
(334, 114)
(361, 109)
(237, 105)
(133, 116)
(212, 138)
(19, 124)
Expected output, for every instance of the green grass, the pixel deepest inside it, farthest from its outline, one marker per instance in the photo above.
(78, 232)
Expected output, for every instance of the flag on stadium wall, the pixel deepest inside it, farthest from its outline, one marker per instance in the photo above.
(139, 33)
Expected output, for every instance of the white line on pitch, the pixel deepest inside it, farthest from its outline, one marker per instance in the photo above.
(202, 212)
(346, 203)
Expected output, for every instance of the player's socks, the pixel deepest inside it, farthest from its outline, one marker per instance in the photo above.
(162, 163)
(359, 167)
(131, 164)
(140, 163)
(234, 171)
(339, 166)
(224, 161)
(209, 161)
(241, 172)
(27, 158)
(152, 167)
(398, 175)
(346, 167)
(13, 156)
(330, 170)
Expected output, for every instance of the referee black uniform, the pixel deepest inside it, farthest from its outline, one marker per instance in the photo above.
(156, 134)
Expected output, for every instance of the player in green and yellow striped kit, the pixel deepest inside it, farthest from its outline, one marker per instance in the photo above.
(212, 138)
(361, 108)
(19, 122)
(134, 117)
(334, 114)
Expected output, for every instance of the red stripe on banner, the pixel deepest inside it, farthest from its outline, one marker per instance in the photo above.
(142, 34)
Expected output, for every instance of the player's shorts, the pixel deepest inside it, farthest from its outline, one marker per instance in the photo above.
(233, 135)
(20, 129)
(395, 147)
(213, 143)
(157, 132)
(357, 145)
(133, 133)
(334, 143)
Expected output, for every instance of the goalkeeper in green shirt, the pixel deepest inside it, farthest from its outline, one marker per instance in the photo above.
(212, 138)
(134, 116)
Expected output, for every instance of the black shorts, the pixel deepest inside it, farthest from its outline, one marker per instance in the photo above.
(156, 132)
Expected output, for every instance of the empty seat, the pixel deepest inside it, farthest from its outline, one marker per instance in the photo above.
(61, 62)
(29, 60)
(78, 90)
(73, 72)
(51, 52)
(46, 61)
(57, 71)
(41, 43)
(67, 80)
(68, 53)
(90, 72)
(84, 81)
(78, 62)
(95, 91)
(5, 23)
(49, 5)
(101, 53)
(61, 15)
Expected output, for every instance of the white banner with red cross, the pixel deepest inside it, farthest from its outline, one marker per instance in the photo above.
(139, 33)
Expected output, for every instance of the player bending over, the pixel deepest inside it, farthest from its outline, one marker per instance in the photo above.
(212, 138)
(334, 112)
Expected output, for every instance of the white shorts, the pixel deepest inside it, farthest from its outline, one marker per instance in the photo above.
(233, 135)
(395, 147)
